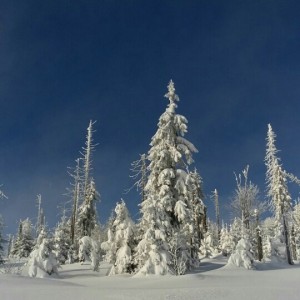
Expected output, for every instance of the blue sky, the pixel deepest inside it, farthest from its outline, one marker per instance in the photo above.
(235, 64)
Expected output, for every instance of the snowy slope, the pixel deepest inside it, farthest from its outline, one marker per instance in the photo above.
(212, 281)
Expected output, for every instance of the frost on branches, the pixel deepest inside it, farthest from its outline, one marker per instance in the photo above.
(168, 206)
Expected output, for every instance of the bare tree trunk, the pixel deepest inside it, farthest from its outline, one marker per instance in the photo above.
(258, 237)
(293, 243)
(217, 210)
(39, 217)
(204, 222)
(286, 239)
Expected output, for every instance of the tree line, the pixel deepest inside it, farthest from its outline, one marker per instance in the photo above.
(174, 232)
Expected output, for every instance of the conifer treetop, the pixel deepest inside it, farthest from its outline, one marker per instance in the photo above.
(171, 92)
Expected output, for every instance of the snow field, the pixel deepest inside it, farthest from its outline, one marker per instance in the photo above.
(212, 281)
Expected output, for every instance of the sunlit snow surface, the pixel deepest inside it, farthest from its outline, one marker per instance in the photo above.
(213, 280)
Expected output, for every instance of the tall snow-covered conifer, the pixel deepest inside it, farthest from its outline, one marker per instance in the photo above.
(277, 191)
(76, 194)
(167, 209)
(86, 219)
(122, 242)
(215, 197)
(62, 240)
(87, 214)
(24, 242)
(1, 241)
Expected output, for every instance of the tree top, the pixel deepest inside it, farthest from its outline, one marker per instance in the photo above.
(171, 92)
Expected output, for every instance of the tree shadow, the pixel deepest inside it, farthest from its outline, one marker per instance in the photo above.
(207, 266)
(269, 266)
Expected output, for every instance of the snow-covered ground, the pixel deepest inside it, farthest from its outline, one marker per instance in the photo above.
(213, 280)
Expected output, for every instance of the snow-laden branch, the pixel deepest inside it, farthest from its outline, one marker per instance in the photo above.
(2, 195)
(185, 142)
(292, 177)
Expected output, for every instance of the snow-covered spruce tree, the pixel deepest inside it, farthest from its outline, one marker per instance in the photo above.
(227, 243)
(109, 246)
(76, 192)
(2, 196)
(212, 229)
(10, 244)
(259, 243)
(267, 232)
(277, 192)
(43, 235)
(123, 242)
(87, 157)
(15, 246)
(207, 248)
(167, 208)
(199, 226)
(24, 241)
(215, 198)
(62, 241)
(40, 223)
(296, 218)
(87, 214)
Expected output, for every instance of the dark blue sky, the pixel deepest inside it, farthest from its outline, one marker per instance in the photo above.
(235, 64)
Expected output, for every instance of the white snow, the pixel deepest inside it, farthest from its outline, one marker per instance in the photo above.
(212, 281)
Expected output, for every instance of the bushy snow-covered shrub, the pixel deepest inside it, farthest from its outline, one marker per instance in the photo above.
(89, 250)
(226, 242)
(156, 264)
(42, 261)
(120, 241)
(242, 256)
(109, 247)
(179, 257)
(207, 247)
(62, 242)
(12, 266)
